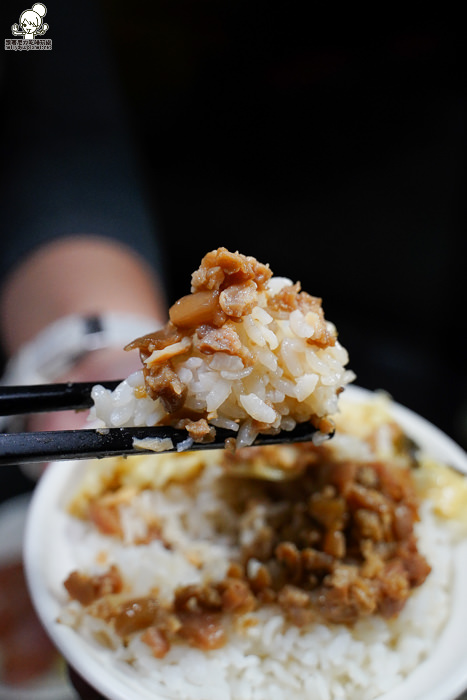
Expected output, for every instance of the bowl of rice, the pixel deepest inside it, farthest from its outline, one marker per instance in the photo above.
(326, 571)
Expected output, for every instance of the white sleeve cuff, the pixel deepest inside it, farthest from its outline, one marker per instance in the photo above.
(59, 346)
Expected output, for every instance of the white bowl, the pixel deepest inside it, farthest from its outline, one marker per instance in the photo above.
(48, 560)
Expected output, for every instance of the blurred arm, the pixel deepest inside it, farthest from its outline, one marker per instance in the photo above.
(82, 274)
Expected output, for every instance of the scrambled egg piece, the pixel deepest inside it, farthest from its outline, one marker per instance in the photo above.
(362, 419)
(139, 472)
(445, 487)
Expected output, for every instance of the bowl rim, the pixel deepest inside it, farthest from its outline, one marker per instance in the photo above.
(101, 670)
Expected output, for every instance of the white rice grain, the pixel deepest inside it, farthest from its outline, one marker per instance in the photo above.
(257, 408)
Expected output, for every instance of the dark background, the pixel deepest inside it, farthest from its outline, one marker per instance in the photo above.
(332, 148)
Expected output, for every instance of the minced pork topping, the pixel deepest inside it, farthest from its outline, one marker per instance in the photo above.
(332, 542)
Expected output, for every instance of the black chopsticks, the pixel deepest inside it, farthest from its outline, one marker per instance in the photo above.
(41, 398)
(18, 448)
(48, 446)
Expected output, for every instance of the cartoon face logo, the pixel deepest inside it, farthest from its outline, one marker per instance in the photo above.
(30, 23)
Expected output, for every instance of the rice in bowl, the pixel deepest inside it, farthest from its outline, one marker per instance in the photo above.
(167, 522)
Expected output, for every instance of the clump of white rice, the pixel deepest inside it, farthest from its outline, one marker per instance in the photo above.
(290, 379)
